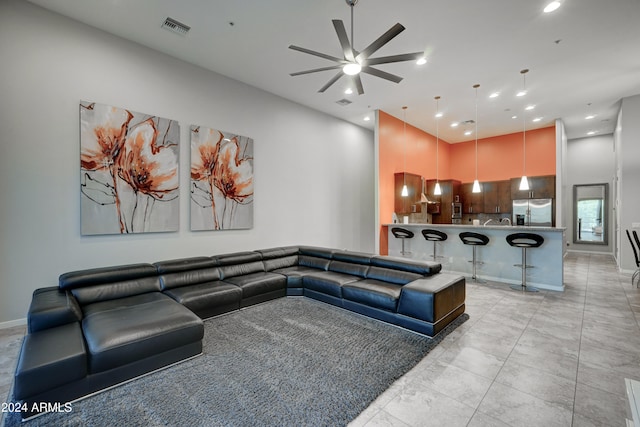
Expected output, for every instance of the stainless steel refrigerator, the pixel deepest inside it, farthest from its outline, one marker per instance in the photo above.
(533, 212)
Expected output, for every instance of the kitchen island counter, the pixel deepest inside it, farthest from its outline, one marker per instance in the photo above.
(498, 256)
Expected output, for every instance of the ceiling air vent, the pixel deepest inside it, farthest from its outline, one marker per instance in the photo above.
(343, 102)
(175, 26)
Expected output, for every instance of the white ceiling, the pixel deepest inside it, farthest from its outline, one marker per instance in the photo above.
(583, 58)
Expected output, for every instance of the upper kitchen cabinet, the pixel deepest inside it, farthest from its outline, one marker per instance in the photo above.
(472, 203)
(410, 203)
(540, 187)
(497, 196)
(450, 189)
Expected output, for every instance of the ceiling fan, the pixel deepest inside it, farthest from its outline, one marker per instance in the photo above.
(354, 62)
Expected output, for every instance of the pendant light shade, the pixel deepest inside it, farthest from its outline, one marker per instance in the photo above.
(437, 191)
(476, 184)
(405, 190)
(524, 182)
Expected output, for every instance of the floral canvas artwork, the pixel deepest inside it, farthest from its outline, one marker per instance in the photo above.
(221, 180)
(129, 171)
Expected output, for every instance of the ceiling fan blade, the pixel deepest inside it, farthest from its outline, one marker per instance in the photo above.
(314, 53)
(358, 82)
(332, 81)
(381, 41)
(315, 70)
(344, 40)
(395, 58)
(382, 74)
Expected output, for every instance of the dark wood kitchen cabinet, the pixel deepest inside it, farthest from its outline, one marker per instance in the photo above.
(540, 187)
(497, 197)
(472, 203)
(450, 189)
(410, 203)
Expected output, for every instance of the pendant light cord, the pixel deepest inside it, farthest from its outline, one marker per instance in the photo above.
(404, 133)
(476, 125)
(437, 137)
(524, 124)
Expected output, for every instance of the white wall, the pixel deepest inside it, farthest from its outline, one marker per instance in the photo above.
(314, 174)
(590, 161)
(628, 163)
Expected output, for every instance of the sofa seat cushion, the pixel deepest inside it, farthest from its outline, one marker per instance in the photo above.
(129, 329)
(374, 293)
(295, 273)
(205, 299)
(328, 282)
(49, 359)
(257, 283)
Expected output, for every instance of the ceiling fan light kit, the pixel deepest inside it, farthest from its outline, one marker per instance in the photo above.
(354, 62)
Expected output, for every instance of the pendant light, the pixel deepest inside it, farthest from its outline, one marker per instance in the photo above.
(476, 184)
(405, 190)
(524, 182)
(437, 191)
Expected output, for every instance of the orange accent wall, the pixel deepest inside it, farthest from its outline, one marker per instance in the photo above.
(499, 158)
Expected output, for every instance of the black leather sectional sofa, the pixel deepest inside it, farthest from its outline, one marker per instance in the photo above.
(103, 326)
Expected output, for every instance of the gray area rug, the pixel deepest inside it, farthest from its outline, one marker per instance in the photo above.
(288, 362)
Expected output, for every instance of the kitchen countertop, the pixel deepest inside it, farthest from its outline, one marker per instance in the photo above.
(478, 227)
(498, 257)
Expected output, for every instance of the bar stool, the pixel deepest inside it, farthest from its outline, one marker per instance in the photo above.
(402, 234)
(434, 236)
(475, 240)
(524, 241)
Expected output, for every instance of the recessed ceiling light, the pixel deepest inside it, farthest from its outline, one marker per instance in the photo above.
(552, 6)
(589, 117)
(514, 117)
(521, 93)
(421, 61)
(438, 114)
(349, 91)
(454, 124)
(494, 95)
(467, 133)
(367, 118)
(537, 119)
(530, 107)
(591, 132)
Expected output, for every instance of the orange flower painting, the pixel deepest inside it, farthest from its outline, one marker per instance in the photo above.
(221, 180)
(129, 171)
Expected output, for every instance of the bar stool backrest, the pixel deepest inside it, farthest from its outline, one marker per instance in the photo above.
(471, 238)
(525, 240)
(434, 235)
(402, 233)
(635, 251)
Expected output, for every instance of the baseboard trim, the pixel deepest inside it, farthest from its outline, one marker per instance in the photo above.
(13, 323)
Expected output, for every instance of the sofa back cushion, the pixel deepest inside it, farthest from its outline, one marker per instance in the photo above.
(187, 271)
(348, 268)
(314, 262)
(279, 257)
(390, 275)
(425, 268)
(352, 257)
(102, 284)
(239, 264)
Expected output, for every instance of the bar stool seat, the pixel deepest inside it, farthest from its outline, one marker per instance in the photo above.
(402, 234)
(474, 240)
(434, 236)
(524, 241)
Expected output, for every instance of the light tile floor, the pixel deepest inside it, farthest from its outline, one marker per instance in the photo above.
(537, 359)
(548, 359)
